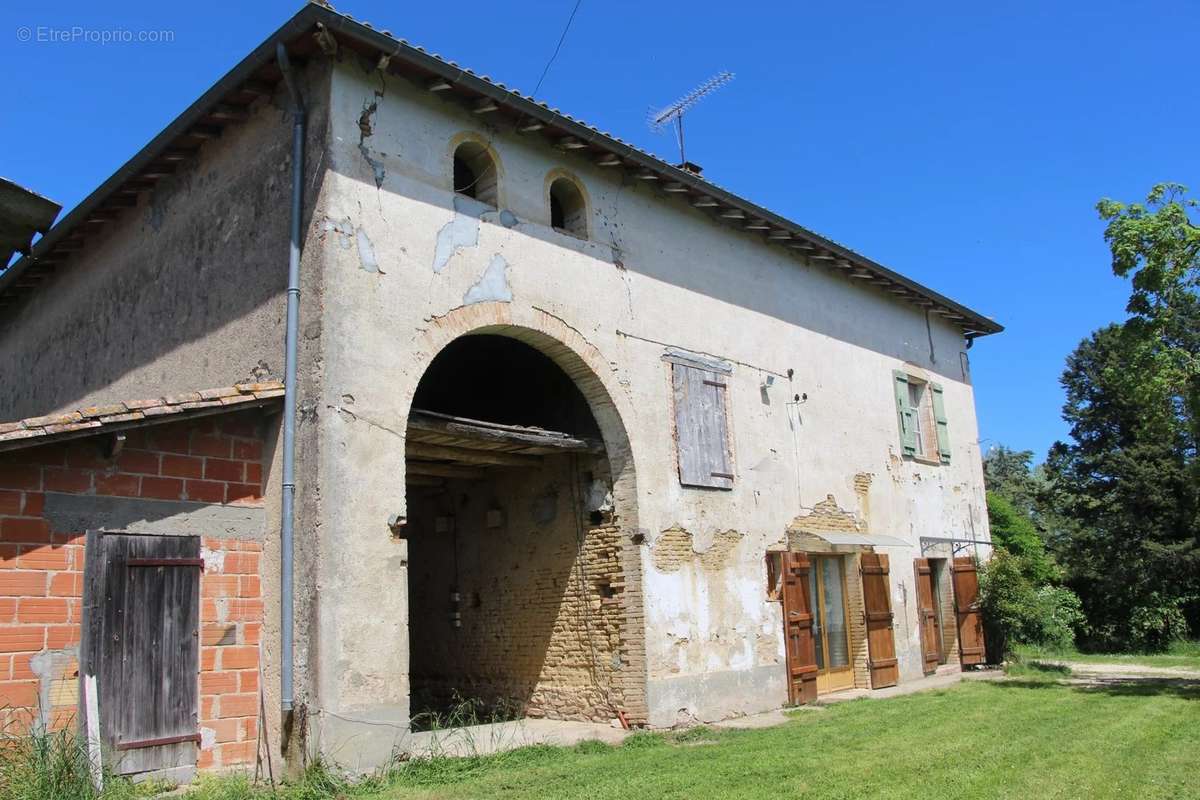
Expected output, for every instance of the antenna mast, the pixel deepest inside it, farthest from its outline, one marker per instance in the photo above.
(674, 112)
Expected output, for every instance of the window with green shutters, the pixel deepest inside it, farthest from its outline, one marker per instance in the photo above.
(921, 416)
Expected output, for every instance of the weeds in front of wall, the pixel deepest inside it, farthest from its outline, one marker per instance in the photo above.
(452, 746)
(54, 765)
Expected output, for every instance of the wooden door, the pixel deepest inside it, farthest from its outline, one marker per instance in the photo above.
(927, 615)
(798, 629)
(141, 629)
(971, 649)
(877, 602)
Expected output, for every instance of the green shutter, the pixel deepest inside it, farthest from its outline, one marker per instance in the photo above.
(943, 428)
(906, 414)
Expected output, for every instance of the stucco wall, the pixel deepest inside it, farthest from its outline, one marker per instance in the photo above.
(410, 260)
(183, 292)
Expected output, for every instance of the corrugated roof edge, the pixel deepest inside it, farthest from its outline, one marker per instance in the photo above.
(306, 21)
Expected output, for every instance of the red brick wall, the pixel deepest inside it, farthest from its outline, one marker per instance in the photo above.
(211, 460)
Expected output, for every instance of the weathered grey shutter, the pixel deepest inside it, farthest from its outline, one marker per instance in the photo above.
(905, 413)
(943, 428)
(701, 432)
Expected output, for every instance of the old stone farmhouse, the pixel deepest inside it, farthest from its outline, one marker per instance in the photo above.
(576, 433)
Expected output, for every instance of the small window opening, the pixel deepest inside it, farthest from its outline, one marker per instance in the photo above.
(568, 210)
(475, 173)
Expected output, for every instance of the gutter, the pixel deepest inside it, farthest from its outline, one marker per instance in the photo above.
(287, 515)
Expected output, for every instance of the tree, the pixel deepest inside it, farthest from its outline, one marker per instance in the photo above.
(1007, 474)
(1015, 532)
(1130, 479)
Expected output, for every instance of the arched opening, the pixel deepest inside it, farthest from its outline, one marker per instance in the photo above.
(475, 173)
(568, 209)
(517, 560)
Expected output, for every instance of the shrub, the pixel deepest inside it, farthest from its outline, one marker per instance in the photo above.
(1016, 611)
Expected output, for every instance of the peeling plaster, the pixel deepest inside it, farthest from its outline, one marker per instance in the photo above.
(376, 165)
(366, 253)
(492, 285)
(57, 672)
(460, 232)
(675, 548)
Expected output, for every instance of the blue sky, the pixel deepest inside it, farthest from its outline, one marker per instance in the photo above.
(962, 145)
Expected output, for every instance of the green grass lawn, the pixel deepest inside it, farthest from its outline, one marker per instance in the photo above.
(1026, 737)
(1181, 654)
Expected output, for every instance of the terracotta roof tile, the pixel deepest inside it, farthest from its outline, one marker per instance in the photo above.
(117, 416)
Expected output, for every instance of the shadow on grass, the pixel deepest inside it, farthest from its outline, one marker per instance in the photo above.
(1184, 688)
(1125, 686)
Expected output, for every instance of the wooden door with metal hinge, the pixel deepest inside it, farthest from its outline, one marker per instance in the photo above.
(927, 614)
(971, 645)
(798, 629)
(141, 639)
(877, 604)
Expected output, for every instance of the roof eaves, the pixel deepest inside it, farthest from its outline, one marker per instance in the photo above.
(313, 17)
(117, 417)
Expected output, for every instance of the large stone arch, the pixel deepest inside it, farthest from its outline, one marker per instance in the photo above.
(583, 363)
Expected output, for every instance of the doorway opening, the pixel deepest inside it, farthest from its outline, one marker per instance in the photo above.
(831, 623)
(516, 569)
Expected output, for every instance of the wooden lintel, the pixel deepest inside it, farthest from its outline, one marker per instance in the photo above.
(465, 455)
(462, 427)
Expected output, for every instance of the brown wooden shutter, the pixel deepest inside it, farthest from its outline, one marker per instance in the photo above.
(877, 600)
(701, 429)
(141, 641)
(927, 614)
(971, 648)
(798, 630)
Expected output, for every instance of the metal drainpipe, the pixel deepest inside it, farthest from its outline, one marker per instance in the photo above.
(287, 610)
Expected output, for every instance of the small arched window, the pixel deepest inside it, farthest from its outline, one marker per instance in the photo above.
(475, 173)
(568, 209)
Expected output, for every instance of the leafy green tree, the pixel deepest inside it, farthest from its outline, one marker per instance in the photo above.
(1130, 477)
(1016, 533)
(1007, 473)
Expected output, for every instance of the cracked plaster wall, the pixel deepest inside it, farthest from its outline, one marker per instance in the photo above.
(654, 273)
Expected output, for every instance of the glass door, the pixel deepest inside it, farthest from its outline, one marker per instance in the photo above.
(831, 629)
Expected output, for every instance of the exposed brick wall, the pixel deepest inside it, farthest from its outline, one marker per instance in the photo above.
(231, 613)
(545, 623)
(946, 616)
(211, 460)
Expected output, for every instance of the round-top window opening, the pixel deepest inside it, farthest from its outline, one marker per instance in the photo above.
(568, 209)
(475, 173)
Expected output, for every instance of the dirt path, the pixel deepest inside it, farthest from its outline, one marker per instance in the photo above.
(1109, 670)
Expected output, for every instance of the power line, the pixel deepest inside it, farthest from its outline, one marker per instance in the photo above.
(557, 47)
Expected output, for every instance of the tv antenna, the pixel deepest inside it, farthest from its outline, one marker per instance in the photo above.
(674, 112)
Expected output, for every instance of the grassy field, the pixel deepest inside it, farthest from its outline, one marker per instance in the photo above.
(1181, 654)
(1027, 737)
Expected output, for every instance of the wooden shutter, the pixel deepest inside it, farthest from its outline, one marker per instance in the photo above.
(877, 601)
(701, 429)
(906, 414)
(798, 630)
(927, 614)
(971, 646)
(141, 641)
(940, 423)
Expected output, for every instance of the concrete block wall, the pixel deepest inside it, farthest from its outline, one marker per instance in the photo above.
(215, 461)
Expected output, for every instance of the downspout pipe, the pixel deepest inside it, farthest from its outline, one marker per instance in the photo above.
(287, 516)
